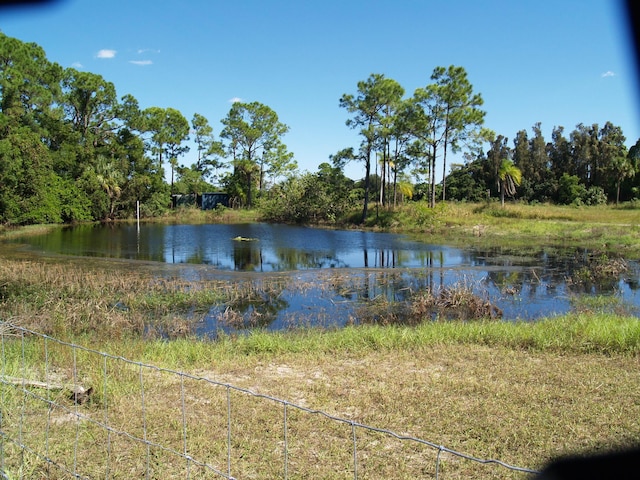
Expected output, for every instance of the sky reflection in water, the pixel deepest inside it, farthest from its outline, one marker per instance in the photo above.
(331, 273)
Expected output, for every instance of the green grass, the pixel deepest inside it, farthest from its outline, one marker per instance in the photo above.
(15, 232)
(605, 334)
(602, 334)
(195, 215)
(519, 392)
(610, 228)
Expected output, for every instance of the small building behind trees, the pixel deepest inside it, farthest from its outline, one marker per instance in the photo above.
(206, 201)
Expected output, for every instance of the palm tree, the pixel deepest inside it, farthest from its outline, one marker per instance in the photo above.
(621, 167)
(405, 187)
(110, 179)
(509, 177)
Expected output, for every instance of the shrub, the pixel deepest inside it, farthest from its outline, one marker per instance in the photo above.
(594, 196)
(570, 190)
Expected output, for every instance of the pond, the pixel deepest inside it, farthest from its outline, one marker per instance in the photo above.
(318, 277)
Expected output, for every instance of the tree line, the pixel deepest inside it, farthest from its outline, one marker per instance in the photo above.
(72, 150)
(404, 139)
(589, 165)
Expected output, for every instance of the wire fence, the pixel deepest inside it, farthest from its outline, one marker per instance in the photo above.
(68, 411)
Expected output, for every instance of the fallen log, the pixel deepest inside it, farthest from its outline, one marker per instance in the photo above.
(77, 393)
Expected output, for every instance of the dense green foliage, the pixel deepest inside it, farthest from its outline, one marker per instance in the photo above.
(71, 150)
(590, 167)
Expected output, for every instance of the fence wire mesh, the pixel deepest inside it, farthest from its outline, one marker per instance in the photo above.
(68, 411)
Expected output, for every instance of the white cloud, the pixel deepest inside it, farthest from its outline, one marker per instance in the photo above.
(608, 73)
(106, 53)
(147, 50)
(76, 65)
(141, 62)
(235, 100)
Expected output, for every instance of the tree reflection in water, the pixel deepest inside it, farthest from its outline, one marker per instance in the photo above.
(506, 286)
(298, 276)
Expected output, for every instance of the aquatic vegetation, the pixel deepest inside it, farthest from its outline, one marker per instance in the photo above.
(445, 302)
(456, 301)
(598, 267)
(510, 262)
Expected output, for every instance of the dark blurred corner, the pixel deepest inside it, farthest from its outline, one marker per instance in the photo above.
(617, 465)
(29, 3)
(633, 16)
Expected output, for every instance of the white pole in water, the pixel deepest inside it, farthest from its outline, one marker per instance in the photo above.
(138, 219)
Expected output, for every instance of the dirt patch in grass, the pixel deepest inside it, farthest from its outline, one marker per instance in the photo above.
(517, 406)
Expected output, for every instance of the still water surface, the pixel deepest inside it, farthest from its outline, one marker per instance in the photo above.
(359, 265)
(256, 247)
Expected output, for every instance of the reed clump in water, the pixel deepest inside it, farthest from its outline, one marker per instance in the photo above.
(602, 266)
(454, 302)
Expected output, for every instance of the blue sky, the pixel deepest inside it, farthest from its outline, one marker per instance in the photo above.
(559, 62)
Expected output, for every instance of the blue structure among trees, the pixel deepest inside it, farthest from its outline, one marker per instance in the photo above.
(206, 201)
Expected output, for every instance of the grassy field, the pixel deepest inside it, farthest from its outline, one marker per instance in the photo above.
(518, 392)
(520, 226)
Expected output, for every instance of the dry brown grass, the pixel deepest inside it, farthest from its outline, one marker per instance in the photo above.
(102, 299)
(520, 407)
(490, 402)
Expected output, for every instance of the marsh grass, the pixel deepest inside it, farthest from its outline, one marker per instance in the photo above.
(9, 232)
(69, 300)
(599, 267)
(590, 304)
(66, 300)
(453, 302)
(195, 215)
